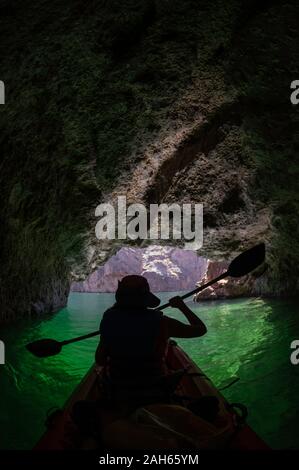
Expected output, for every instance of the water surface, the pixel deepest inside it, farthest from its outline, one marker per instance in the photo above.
(248, 338)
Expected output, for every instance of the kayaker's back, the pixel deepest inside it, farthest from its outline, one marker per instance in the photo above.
(132, 339)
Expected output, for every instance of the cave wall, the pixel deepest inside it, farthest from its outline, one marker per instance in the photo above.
(159, 100)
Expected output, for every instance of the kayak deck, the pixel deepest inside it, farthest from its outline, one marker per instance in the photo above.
(63, 434)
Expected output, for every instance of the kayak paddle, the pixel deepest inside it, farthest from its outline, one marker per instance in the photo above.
(240, 266)
(50, 347)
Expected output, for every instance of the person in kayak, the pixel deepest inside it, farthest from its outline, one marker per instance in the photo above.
(134, 334)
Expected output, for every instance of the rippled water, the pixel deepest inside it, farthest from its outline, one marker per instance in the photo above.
(247, 338)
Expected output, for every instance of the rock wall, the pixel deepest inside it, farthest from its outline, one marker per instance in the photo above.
(226, 288)
(170, 269)
(166, 269)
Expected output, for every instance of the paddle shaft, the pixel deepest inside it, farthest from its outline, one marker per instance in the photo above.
(194, 291)
(198, 289)
(79, 338)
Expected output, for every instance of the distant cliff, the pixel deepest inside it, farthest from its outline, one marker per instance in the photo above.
(166, 269)
(169, 269)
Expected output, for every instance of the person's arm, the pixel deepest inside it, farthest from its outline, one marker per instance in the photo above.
(178, 329)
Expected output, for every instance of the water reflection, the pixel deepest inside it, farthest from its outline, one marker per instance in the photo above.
(248, 338)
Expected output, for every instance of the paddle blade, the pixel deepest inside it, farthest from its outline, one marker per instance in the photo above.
(247, 261)
(44, 347)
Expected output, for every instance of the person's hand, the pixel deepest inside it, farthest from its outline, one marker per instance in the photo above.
(176, 302)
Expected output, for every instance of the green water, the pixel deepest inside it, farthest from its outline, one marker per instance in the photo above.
(247, 338)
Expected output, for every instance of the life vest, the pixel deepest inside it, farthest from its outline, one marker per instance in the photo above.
(134, 340)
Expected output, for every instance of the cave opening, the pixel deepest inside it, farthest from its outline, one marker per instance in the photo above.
(166, 268)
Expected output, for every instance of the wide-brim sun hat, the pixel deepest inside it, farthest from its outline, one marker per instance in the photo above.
(134, 289)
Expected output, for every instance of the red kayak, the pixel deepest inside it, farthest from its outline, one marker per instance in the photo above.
(229, 431)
